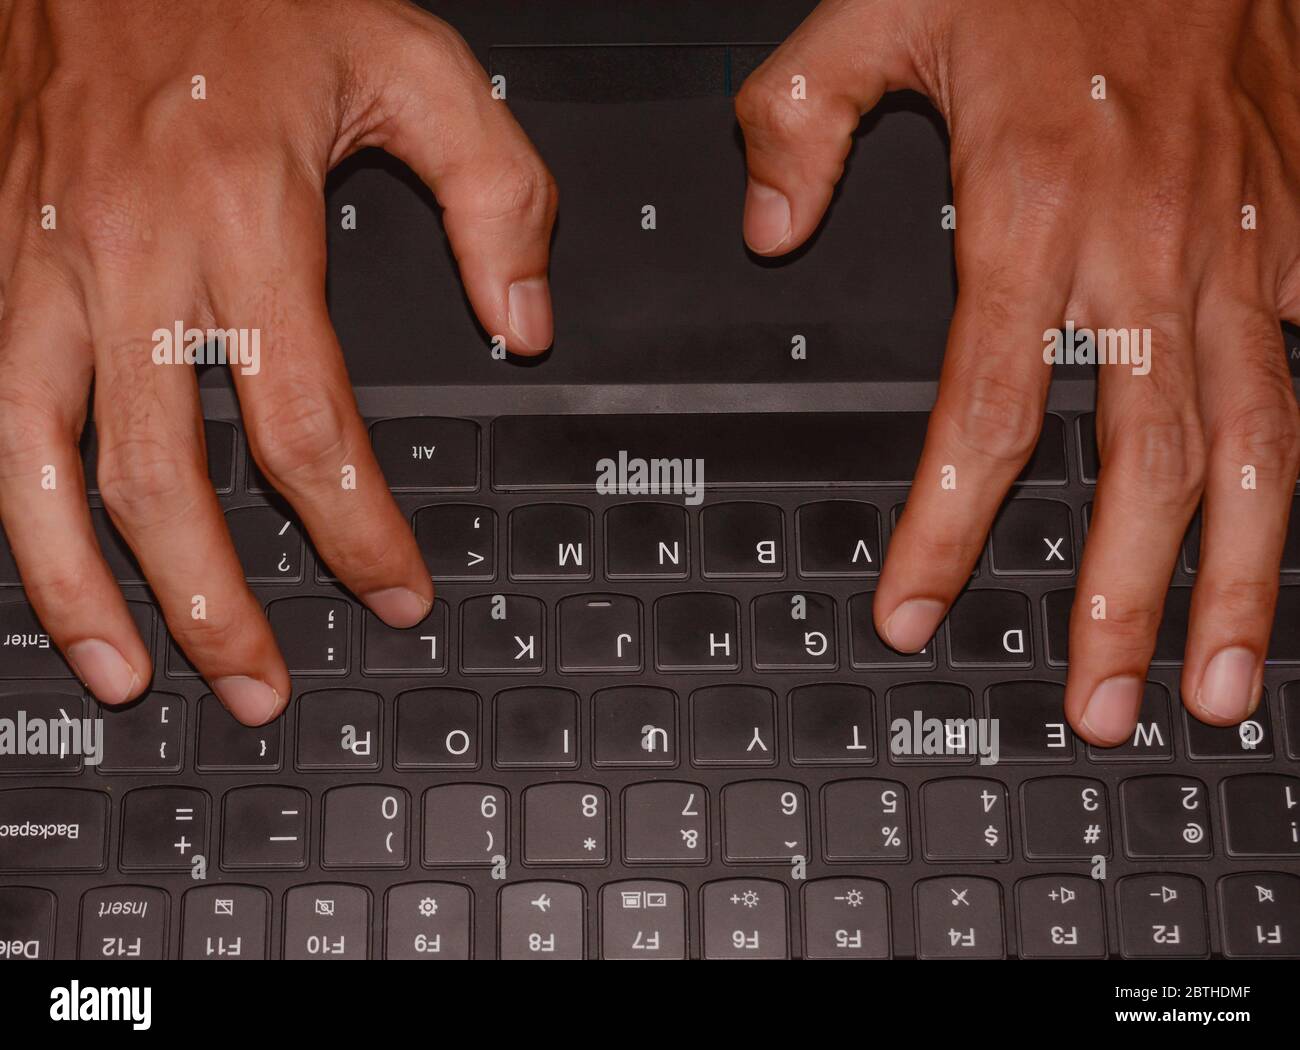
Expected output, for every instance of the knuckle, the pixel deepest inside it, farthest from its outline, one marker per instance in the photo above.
(1164, 458)
(994, 418)
(1131, 625)
(142, 480)
(524, 191)
(55, 590)
(1265, 433)
(299, 438)
(1241, 602)
(25, 432)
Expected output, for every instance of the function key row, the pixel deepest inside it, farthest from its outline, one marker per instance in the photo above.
(955, 917)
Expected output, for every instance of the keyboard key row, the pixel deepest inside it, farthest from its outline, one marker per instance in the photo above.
(1059, 916)
(264, 827)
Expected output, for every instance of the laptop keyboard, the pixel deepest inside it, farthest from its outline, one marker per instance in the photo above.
(647, 726)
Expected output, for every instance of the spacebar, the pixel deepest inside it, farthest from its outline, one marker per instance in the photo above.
(732, 450)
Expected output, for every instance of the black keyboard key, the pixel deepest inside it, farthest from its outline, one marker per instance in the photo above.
(548, 452)
(697, 632)
(733, 725)
(959, 917)
(1171, 636)
(9, 576)
(1261, 815)
(566, 824)
(268, 543)
(1065, 818)
(838, 538)
(866, 820)
(846, 919)
(365, 826)
(123, 922)
(634, 726)
(226, 745)
(743, 541)
(1162, 916)
(427, 453)
(1047, 464)
(428, 920)
(164, 829)
(1089, 461)
(832, 724)
(665, 822)
(339, 729)
(47, 732)
(1165, 816)
(990, 629)
(502, 634)
(265, 826)
(225, 923)
(147, 737)
(327, 922)
(868, 650)
(745, 919)
(965, 818)
(458, 541)
(642, 919)
(543, 920)
(932, 722)
(53, 829)
(313, 634)
(1253, 738)
(418, 650)
(646, 541)
(1060, 917)
(26, 923)
(25, 647)
(1291, 716)
(550, 541)
(1056, 619)
(117, 552)
(599, 632)
(1153, 736)
(1032, 537)
(764, 822)
(794, 631)
(1261, 915)
(536, 728)
(437, 729)
(1030, 717)
(464, 826)
(1284, 643)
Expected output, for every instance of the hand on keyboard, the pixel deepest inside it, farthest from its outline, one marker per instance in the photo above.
(163, 167)
(1114, 165)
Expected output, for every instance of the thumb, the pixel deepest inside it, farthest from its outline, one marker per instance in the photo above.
(434, 109)
(799, 109)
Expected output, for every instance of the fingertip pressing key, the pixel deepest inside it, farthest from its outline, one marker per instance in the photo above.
(398, 606)
(911, 626)
(1228, 692)
(1112, 710)
(103, 670)
(254, 703)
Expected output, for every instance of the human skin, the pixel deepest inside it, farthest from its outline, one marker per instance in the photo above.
(1125, 212)
(1200, 119)
(210, 211)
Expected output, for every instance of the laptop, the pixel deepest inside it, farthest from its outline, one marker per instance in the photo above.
(648, 716)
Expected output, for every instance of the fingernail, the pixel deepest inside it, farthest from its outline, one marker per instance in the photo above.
(1112, 709)
(103, 671)
(254, 703)
(1227, 689)
(397, 606)
(529, 304)
(911, 626)
(767, 218)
